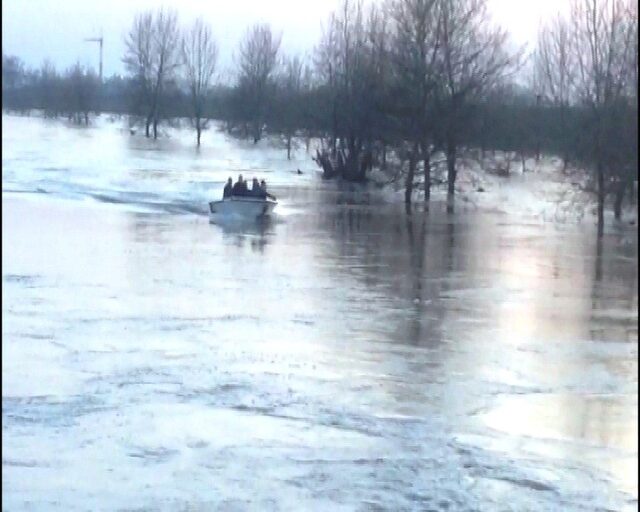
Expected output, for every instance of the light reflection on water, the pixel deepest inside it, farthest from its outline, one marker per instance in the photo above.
(467, 349)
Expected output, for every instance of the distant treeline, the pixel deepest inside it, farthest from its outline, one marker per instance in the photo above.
(412, 78)
(511, 122)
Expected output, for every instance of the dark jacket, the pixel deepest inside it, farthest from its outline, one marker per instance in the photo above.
(227, 191)
(238, 189)
(256, 191)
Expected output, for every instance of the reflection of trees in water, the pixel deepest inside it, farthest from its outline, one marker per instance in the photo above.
(409, 257)
(614, 284)
(451, 243)
(598, 262)
(599, 420)
(416, 258)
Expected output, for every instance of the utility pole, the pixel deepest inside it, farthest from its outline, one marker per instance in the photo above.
(98, 40)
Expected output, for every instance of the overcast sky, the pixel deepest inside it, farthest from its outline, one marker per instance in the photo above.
(55, 29)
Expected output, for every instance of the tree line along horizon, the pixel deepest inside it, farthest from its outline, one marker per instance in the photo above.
(412, 78)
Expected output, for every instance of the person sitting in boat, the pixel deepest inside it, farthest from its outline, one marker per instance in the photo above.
(263, 186)
(227, 189)
(256, 189)
(239, 188)
(244, 188)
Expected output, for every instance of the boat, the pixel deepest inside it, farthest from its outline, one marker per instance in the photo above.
(242, 206)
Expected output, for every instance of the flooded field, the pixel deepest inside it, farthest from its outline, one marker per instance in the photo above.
(341, 356)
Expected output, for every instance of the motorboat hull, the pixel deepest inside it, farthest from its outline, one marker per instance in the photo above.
(242, 207)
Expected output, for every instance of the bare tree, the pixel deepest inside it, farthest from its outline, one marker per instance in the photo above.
(200, 55)
(602, 43)
(152, 56)
(326, 62)
(15, 79)
(625, 166)
(138, 61)
(554, 72)
(415, 51)
(81, 87)
(167, 57)
(632, 56)
(12, 72)
(290, 85)
(383, 126)
(350, 60)
(258, 58)
(49, 89)
(472, 59)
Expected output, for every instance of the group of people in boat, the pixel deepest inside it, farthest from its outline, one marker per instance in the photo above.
(241, 189)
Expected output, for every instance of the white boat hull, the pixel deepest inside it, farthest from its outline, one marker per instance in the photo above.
(242, 207)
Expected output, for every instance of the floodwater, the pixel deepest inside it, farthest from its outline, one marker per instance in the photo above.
(341, 356)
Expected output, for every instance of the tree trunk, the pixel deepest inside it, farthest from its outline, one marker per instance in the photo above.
(323, 160)
(384, 156)
(601, 197)
(155, 128)
(617, 204)
(451, 174)
(288, 147)
(408, 190)
(563, 141)
(147, 125)
(334, 129)
(427, 174)
(598, 270)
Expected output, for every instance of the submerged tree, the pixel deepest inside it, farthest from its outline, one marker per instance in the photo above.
(81, 86)
(257, 61)
(138, 61)
(200, 55)
(12, 72)
(49, 89)
(472, 60)
(167, 58)
(291, 83)
(152, 56)
(18, 84)
(603, 41)
(416, 33)
(350, 62)
(554, 75)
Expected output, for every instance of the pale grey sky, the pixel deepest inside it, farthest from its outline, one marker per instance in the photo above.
(55, 29)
